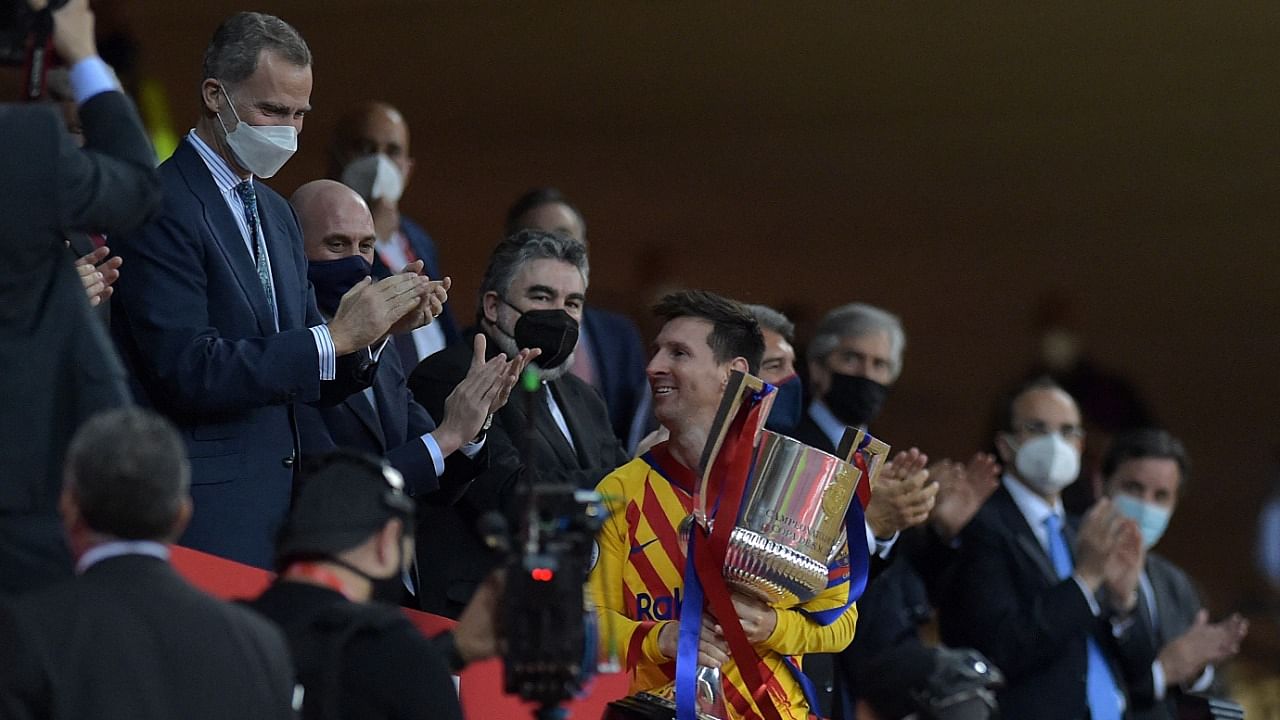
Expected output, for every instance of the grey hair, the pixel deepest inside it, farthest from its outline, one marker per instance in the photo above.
(771, 319)
(856, 320)
(232, 55)
(527, 246)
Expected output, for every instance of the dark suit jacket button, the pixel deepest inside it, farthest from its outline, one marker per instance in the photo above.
(287, 462)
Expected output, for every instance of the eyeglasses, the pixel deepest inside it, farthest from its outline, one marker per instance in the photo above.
(1036, 428)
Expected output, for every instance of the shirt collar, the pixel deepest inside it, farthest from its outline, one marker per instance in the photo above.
(116, 548)
(223, 176)
(826, 422)
(1033, 507)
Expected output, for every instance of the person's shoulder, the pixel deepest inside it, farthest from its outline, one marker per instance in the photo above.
(1159, 566)
(628, 479)
(610, 321)
(413, 230)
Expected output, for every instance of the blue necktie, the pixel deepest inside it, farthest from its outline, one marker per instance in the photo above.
(1100, 685)
(250, 199)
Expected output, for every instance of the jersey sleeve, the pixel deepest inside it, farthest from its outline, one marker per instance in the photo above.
(624, 640)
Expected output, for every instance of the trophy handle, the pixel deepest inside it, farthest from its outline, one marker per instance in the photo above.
(856, 443)
(741, 385)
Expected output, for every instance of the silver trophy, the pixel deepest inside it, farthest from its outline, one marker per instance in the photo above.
(791, 524)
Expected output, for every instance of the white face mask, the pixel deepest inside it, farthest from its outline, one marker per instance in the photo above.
(260, 149)
(374, 177)
(1047, 464)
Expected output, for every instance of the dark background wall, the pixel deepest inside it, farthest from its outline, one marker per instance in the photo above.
(959, 164)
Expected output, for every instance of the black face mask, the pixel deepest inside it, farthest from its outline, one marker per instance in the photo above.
(855, 400)
(333, 278)
(554, 332)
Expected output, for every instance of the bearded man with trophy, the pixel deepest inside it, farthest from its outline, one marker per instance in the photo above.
(723, 560)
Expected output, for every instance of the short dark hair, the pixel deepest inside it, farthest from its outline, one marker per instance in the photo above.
(1144, 443)
(773, 320)
(734, 331)
(526, 246)
(536, 198)
(1039, 382)
(129, 471)
(232, 55)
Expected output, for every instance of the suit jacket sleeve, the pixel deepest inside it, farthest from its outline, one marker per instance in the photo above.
(1020, 635)
(111, 184)
(24, 689)
(165, 303)
(413, 460)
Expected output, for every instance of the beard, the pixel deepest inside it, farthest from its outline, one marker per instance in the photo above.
(507, 345)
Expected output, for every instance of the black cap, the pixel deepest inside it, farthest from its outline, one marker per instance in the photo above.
(343, 498)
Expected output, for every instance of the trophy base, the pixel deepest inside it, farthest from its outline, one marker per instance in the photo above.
(644, 706)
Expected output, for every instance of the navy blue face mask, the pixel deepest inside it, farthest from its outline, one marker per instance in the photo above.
(333, 278)
(788, 404)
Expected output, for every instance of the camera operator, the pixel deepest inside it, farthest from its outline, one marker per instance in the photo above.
(348, 536)
(59, 367)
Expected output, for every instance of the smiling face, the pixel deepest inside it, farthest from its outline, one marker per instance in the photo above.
(779, 358)
(686, 381)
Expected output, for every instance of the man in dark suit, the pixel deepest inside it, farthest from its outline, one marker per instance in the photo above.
(1170, 639)
(49, 188)
(370, 154)
(128, 637)
(1030, 591)
(610, 357)
(214, 313)
(385, 420)
(532, 295)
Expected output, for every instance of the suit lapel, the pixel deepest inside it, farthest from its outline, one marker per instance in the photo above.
(386, 382)
(546, 424)
(566, 397)
(359, 406)
(226, 233)
(1023, 537)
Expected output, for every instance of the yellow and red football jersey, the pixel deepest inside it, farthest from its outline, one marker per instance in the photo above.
(637, 583)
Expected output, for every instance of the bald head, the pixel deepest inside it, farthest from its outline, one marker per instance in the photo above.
(335, 221)
(369, 128)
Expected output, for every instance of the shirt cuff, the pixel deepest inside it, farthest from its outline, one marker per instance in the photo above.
(91, 76)
(1088, 596)
(324, 348)
(878, 547)
(1203, 682)
(437, 457)
(376, 354)
(473, 448)
(1157, 680)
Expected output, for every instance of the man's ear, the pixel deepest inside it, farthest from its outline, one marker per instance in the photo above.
(740, 364)
(181, 520)
(1005, 448)
(212, 96)
(69, 505)
(819, 378)
(490, 304)
(408, 171)
(389, 542)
